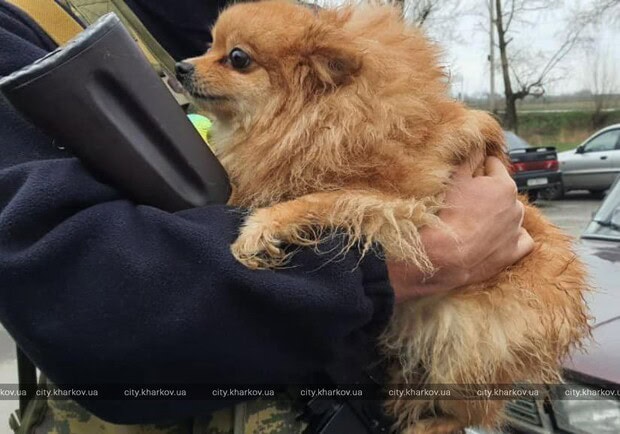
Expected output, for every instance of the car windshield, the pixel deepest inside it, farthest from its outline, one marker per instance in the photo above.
(514, 141)
(606, 221)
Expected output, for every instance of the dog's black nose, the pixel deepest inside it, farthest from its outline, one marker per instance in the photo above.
(183, 69)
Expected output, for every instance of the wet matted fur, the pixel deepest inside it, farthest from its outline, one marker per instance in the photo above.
(343, 120)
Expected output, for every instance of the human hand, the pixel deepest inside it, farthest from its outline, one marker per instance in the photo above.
(485, 219)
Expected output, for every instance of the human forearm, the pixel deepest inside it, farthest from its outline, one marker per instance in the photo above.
(97, 289)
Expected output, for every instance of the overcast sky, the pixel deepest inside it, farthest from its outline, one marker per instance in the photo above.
(465, 39)
(466, 56)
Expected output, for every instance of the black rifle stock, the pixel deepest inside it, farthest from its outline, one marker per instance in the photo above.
(99, 97)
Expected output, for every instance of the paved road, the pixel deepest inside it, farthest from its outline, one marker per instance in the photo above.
(571, 214)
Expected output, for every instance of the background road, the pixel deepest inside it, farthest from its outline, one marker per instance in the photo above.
(572, 214)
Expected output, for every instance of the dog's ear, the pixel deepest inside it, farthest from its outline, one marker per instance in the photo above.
(334, 63)
(331, 57)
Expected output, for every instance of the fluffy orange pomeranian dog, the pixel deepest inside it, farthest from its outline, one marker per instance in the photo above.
(341, 120)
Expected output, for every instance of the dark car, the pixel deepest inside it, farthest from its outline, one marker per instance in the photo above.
(534, 169)
(590, 401)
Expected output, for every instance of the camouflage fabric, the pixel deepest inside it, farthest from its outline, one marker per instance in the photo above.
(58, 416)
(258, 417)
(68, 417)
(265, 417)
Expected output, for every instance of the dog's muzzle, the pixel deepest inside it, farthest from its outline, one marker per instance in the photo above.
(184, 70)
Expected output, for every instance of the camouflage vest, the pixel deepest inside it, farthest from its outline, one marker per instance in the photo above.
(62, 20)
(55, 416)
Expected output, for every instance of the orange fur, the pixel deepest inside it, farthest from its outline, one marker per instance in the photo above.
(343, 120)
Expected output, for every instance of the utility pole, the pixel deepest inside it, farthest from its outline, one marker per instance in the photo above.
(492, 55)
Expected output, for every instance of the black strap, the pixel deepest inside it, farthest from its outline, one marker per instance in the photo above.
(27, 377)
(345, 416)
(353, 416)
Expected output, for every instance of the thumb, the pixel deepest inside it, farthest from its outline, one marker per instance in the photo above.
(494, 168)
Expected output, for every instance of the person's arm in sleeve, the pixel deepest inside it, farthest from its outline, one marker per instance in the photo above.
(96, 289)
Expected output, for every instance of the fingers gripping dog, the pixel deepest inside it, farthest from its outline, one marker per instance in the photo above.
(341, 119)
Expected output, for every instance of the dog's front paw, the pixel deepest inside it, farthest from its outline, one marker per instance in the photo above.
(257, 246)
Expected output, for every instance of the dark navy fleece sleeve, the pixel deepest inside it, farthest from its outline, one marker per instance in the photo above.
(97, 289)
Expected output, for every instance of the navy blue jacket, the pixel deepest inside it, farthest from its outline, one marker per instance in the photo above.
(96, 289)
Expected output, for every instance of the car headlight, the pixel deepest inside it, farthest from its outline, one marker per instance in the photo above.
(586, 410)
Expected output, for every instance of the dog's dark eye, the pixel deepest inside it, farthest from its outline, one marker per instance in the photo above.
(239, 59)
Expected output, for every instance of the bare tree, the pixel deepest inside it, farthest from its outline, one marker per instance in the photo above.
(596, 12)
(419, 12)
(600, 74)
(600, 8)
(522, 76)
(438, 14)
(422, 10)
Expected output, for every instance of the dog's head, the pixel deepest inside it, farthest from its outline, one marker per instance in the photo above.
(315, 94)
(266, 53)
(304, 99)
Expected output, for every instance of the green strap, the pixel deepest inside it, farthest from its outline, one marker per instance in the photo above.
(89, 11)
(165, 60)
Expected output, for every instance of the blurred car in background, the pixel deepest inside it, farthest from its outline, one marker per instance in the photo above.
(593, 165)
(593, 375)
(534, 169)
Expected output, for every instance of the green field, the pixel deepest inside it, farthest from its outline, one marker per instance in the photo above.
(565, 104)
(560, 121)
(564, 130)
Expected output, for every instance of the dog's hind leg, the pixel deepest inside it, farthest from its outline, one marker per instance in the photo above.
(366, 217)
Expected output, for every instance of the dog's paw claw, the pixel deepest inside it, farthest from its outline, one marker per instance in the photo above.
(258, 250)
